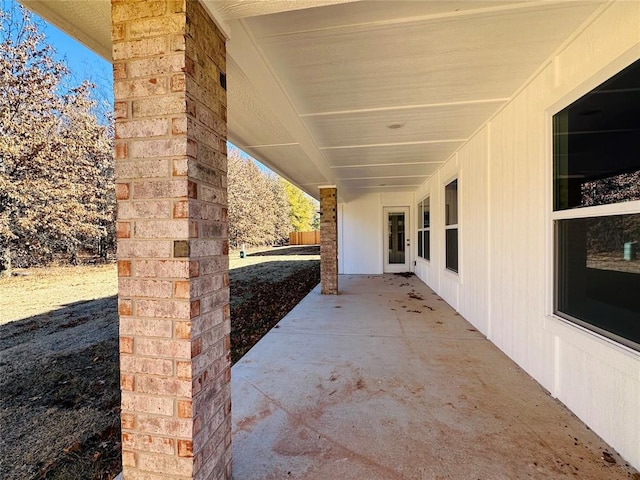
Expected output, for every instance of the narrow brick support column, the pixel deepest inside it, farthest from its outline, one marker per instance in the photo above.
(329, 240)
(170, 112)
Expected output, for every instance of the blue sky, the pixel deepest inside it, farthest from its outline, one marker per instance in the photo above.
(84, 64)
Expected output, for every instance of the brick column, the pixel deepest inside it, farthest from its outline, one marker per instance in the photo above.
(329, 240)
(170, 112)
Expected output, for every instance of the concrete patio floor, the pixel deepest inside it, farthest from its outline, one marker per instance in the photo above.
(374, 384)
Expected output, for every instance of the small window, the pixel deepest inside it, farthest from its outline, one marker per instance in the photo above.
(423, 229)
(596, 164)
(451, 225)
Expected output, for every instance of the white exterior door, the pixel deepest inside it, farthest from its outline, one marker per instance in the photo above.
(397, 242)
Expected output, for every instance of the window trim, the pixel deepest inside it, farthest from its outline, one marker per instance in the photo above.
(622, 208)
(456, 226)
(423, 229)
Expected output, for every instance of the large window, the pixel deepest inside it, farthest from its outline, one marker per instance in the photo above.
(424, 229)
(451, 225)
(597, 209)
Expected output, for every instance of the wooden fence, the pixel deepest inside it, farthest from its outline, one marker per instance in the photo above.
(304, 238)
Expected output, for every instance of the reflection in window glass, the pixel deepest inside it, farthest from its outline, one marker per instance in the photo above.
(596, 143)
(427, 246)
(425, 213)
(598, 274)
(452, 249)
(451, 203)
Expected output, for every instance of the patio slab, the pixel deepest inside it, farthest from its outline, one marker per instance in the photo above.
(386, 381)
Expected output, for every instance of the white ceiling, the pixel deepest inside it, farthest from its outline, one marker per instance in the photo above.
(88, 21)
(314, 85)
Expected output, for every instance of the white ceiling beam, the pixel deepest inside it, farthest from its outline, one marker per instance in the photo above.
(366, 165)
(385, 177)
(395, 144)
(395, 187)
(231, 10)
(270, 145)
(405, 107)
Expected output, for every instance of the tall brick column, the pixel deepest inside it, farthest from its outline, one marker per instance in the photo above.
(170, 111)
(329, 240)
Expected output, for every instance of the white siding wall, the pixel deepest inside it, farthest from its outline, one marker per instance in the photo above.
(505, 284)
(360, 231)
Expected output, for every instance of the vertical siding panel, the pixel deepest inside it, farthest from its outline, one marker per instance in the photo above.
(615, 33)
(360, 235)
(501, 230)
(474, 231)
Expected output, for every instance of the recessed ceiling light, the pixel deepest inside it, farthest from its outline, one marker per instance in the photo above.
(395, 126)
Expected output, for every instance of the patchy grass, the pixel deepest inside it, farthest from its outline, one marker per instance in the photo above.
(38, 291)
(60, 401)
(59, 391)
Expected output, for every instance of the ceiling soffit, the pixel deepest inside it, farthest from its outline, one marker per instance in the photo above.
(403, 83)
(89, 22)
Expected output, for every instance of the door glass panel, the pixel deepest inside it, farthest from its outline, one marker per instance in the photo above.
(396, 238)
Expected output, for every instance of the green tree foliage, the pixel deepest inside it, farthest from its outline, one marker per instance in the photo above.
(258, 206)
(303, 209)
(56, 161)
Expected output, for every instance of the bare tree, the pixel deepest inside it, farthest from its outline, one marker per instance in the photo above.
(56, 162)
(258, 205)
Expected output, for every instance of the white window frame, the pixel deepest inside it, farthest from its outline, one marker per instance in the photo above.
(455, 226)
(614, 209)
(422, 228)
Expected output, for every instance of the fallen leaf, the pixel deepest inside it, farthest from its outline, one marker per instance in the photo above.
(607, 457)
(75, 447)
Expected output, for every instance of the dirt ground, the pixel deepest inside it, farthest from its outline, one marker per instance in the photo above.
(59, 382)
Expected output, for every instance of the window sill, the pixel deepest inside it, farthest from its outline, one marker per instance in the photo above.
(594, 344)
(453, 275)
